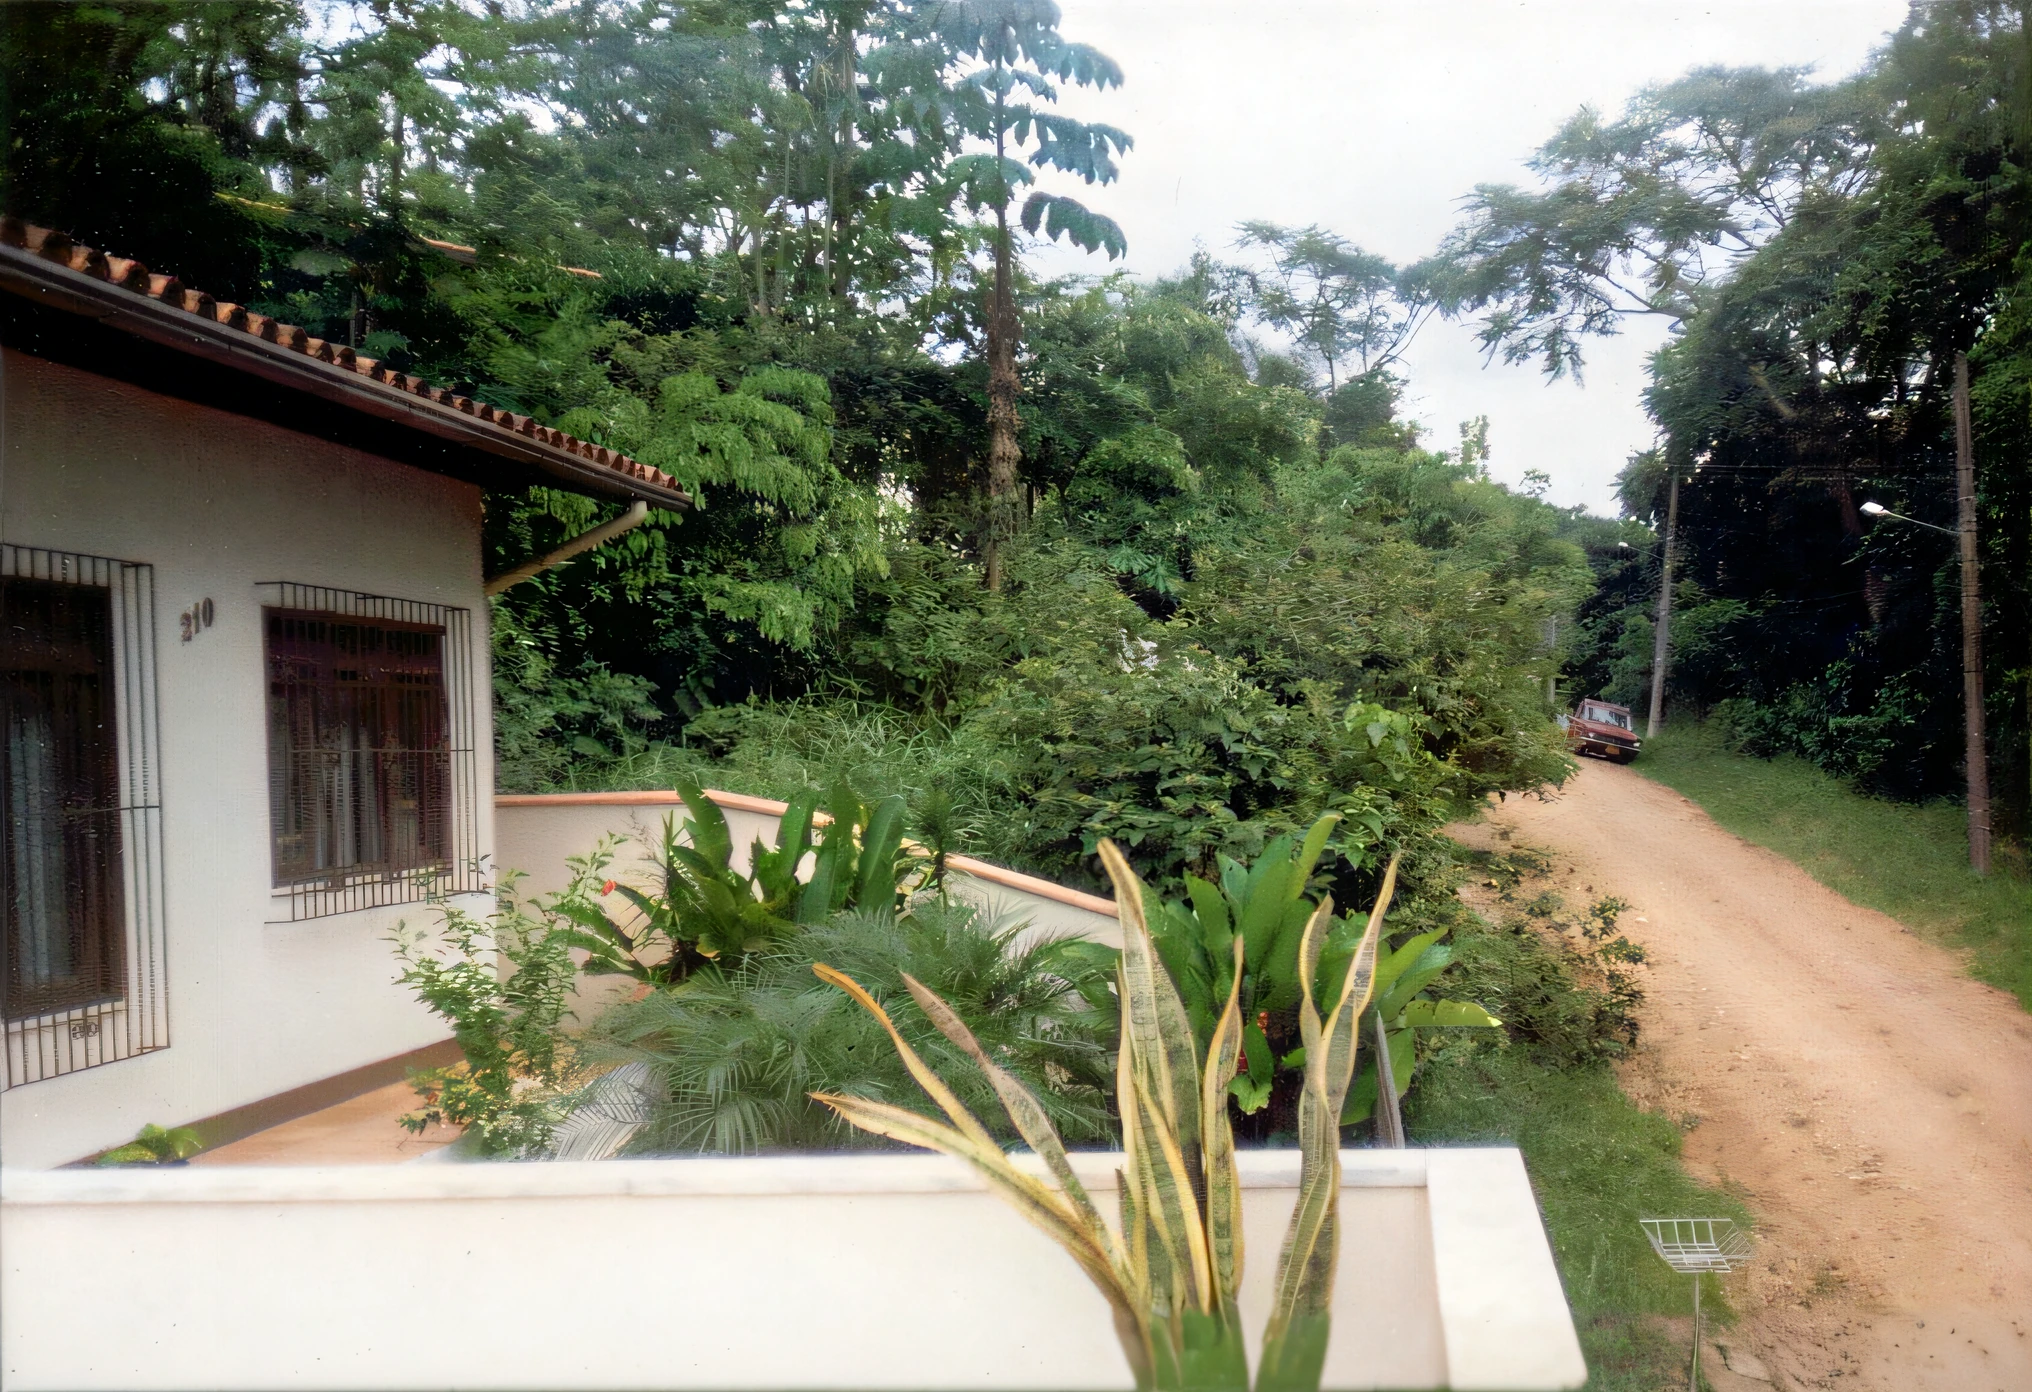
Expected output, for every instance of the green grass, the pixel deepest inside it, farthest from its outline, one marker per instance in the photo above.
(1909, 861)
(1598, 1164)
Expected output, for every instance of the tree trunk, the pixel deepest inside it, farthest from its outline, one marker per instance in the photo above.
(1971, 626)
(839, 183)
(1004, 454)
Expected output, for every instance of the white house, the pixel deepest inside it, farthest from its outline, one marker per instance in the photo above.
(244, 698)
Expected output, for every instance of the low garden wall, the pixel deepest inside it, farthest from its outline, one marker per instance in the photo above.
(535, 832)
(894, 1272)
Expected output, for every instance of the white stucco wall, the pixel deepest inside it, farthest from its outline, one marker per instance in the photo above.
(219, 504)
(534, 834)
(810, 1272)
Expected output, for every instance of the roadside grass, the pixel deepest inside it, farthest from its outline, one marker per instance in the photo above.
(1909, 861)
(1598, 1164)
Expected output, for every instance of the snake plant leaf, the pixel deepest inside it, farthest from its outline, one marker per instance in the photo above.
(1025, 1111)
(1223, 1179)
(1043, 1207)
(1210, 1352)
(1158, 1093)
(1156, 1017)
(1446, 1014)
(1294, 1342)
(932, 1084)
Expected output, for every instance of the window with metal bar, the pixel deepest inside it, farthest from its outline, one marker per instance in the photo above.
(359, 747)
(81, 939)
(373, 770)
(59, 797)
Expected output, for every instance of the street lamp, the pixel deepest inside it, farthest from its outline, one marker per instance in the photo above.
(1879, 510)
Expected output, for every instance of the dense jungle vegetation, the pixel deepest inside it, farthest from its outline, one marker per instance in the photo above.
(1147, 558)
(1822, 252)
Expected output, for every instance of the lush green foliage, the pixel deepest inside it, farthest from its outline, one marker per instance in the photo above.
(1265, 908)
(1597, 1164)
(698, 908)
(1825, 251)
(746, 244)
(1904, 860)
(736, 1049)
(1564, 984)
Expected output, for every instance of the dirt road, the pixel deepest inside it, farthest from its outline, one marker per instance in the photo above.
(1872, 1103)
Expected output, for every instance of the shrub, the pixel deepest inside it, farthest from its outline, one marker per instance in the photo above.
(735, 1051)
(503, 984)
(1567, 1004)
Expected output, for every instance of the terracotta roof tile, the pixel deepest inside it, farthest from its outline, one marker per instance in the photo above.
(131, 275)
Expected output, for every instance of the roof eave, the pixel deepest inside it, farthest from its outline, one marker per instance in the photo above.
(39, 279)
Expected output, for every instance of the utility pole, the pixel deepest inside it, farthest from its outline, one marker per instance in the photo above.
(1663, 639)
(1552, 662)
(1971, 625)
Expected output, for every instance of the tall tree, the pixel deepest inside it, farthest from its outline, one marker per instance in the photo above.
(1639, 216)
(1006, 102)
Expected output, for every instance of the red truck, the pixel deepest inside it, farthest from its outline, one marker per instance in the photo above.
(1599, 727)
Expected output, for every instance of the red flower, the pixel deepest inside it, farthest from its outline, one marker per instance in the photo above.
(608, 888)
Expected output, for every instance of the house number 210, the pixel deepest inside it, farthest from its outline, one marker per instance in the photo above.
(196, 619)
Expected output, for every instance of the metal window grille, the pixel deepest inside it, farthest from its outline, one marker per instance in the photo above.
(81, 892)
(373, 784)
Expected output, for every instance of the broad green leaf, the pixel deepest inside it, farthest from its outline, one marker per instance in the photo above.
(875, 886)
(1448, 1014)
(709, 834)
(1309, 853)
(1250, 1095)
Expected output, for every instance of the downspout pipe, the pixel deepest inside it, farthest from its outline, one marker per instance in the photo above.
(635, 516)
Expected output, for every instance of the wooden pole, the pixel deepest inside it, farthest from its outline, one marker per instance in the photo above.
(1971, 625)
(1661, 643)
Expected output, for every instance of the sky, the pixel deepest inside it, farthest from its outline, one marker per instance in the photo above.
(1373, 120)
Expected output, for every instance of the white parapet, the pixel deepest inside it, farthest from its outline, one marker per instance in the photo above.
(896, 1272)
(535, 832)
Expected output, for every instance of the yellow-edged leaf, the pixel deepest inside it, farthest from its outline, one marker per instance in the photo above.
(1028, 1114)
(1042, 1206)
(933, 1085)
(1223, 1181)
(1306, 1266)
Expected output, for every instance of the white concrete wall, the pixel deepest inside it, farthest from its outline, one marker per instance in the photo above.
(218, 504)
(535, 833)
(852, 1272)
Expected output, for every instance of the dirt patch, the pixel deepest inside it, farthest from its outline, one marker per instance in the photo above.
(1871, 1102)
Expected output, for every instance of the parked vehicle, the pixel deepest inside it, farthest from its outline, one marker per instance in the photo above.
(1604, 729)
